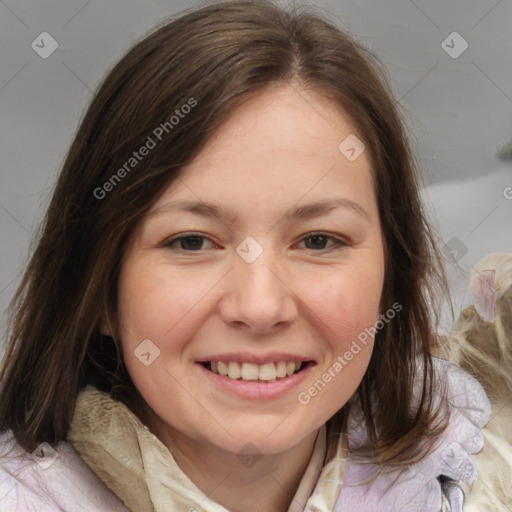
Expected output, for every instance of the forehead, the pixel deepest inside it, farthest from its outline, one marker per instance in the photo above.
(280, 147)
(282, 120)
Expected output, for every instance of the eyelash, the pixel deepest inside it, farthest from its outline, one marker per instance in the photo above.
(338, 243)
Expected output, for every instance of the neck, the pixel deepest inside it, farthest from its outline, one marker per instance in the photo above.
(240, 484)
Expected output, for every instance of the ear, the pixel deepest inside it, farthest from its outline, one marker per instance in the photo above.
(481, 287)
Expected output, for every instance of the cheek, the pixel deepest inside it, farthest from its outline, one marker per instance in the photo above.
(152, 305)
(345, 305)
(165, 310)
(344, 312)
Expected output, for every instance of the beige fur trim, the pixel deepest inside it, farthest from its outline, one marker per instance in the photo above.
(114, 458)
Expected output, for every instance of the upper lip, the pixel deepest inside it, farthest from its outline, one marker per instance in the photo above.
(246, 357)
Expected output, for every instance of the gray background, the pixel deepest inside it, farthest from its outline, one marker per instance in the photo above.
(459, 110)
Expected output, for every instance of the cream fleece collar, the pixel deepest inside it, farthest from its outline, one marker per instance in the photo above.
(135, 465)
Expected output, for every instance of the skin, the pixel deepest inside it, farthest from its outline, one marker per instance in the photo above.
(301, 296)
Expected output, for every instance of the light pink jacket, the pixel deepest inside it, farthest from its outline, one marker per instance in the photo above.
(29, 483)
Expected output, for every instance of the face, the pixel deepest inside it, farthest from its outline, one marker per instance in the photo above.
(264, 259)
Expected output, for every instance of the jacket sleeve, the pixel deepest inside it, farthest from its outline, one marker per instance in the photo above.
(50, 480)
(432, 484)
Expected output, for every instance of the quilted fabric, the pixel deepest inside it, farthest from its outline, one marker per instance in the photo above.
(419, 487)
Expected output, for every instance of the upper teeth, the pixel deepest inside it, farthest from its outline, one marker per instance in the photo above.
(251, 371)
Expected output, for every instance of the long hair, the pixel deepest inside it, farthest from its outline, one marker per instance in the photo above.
(212, 59)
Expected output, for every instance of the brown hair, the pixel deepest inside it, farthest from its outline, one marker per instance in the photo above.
(218, 56)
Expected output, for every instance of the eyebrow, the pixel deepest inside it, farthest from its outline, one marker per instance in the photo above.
(308, 211)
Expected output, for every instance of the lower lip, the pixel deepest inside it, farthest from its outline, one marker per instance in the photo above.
(258, 390)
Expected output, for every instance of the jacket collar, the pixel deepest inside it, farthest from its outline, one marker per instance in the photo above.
(142, 472)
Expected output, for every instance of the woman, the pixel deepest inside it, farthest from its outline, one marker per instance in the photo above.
(233, 288)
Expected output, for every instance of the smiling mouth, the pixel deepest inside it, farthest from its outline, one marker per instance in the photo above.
(268, 372)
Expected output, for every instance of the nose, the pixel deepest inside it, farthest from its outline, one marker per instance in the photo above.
(258, 299)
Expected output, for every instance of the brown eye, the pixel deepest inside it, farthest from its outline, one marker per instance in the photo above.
(186, 243)
(318, 241)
